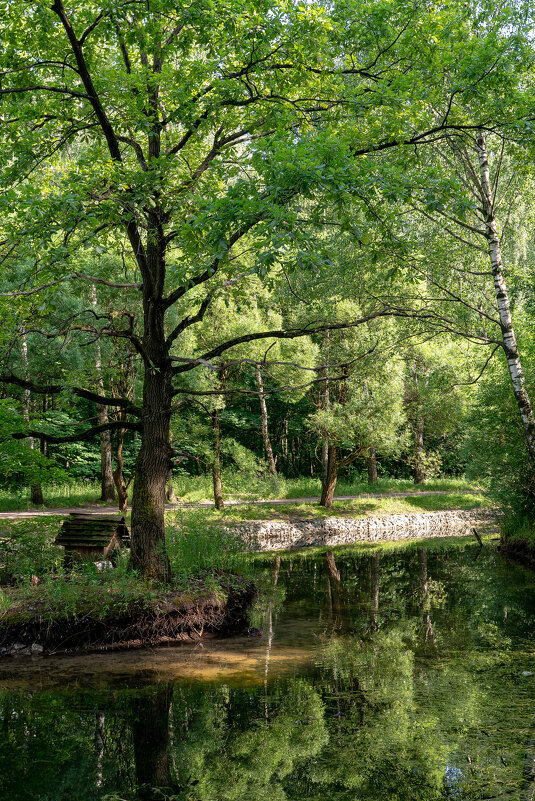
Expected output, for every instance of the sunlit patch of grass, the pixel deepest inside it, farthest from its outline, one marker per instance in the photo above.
(351, 508)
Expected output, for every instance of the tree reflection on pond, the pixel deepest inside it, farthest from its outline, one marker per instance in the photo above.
(410, 688)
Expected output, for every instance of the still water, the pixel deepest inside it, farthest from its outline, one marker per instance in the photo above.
(398, 675)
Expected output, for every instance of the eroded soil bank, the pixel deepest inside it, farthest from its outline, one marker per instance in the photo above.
(166, 618)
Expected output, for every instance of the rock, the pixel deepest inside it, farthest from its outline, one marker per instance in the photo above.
(17, 646)
(527, 673)
(36, 648)
(103, 564)
(274, 535)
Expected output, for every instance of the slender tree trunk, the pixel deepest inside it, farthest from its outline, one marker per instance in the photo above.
(419, 453)
(265, 431)
(325, 439)
(118, 473)
(329, 485)
(107, 486)
(148, 554)
(171, 497)
(374, 581)
(371, 463)
(216, 465)
(36, 490)
(424, 592)
(506, 323)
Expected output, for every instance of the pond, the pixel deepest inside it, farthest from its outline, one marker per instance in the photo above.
(392, 675)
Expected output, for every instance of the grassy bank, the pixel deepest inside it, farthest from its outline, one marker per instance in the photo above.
(348, 508)
(41, 604)
(518, 538)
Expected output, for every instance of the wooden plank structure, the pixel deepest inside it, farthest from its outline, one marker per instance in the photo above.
(92, 536)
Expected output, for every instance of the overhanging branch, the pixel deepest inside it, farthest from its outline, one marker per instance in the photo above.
(87, 434)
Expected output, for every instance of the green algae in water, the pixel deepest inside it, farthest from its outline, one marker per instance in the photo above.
(380, 676)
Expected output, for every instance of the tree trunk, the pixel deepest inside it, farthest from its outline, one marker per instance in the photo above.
(171, 497)
(419, 453)
(36, 490)
(506, 323)
(371, 463)
(374, 594)
(107, 487)
(329, 484)
(118, 473)
(265, 432)
(148, 554)
(325, 439)
(150, 734)
(216, 465)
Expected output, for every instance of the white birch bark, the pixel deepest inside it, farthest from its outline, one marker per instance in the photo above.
(506, 323)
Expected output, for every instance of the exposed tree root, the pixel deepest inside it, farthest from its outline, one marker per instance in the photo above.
(167, 619)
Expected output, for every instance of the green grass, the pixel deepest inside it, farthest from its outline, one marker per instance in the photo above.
(354, 508)
(76, 494)
(236, 486)
(240, 486)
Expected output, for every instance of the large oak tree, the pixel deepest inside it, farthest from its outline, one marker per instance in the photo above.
(177, 136)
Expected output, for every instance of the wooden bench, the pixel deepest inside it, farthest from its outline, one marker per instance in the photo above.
(92, 536)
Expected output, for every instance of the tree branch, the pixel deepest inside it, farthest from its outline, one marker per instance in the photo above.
(87, 434)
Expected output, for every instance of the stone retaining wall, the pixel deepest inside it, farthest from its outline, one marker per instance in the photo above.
(277, 535)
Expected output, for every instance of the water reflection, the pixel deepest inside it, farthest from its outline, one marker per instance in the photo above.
(392, 676)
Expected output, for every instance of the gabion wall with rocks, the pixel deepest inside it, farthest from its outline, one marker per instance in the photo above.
(277, 535)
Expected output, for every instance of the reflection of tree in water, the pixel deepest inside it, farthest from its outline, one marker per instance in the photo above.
(429, 632)
(150, 734)
(379, 716)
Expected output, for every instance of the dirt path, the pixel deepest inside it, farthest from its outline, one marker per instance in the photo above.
(63, 511)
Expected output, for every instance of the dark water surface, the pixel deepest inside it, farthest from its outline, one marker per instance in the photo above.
(384, 675)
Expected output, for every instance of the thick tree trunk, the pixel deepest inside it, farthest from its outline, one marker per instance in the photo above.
(216, 465)
(419, 453)
(36, 491)
(150, 734)
(265, 431)
(506, 323)
(148, 554)
(329, 484)
(371, 464)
